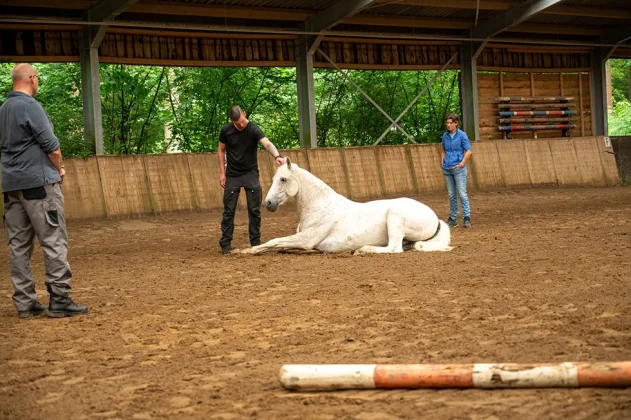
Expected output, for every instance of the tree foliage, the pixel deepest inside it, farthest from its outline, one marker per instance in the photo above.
(163, 109)
(620, 115)
(60, 95)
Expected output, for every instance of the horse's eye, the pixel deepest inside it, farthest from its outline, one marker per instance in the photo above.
(283, 180)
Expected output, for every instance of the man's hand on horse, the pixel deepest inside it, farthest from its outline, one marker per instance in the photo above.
(280, 160)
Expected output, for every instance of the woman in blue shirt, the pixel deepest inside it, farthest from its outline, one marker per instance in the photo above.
(456, 150)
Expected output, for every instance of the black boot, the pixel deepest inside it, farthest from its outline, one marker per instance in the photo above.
(61, 306)
(36, 309)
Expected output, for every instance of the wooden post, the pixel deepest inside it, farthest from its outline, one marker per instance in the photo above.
(502, 94)
(532, 93)
(580, 103)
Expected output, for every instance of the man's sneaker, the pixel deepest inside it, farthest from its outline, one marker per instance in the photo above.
(36, 309)
(467, 222)
(452, 222)
(226, 249)
(61, 306)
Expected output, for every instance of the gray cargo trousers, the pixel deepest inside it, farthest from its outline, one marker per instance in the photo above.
(45, 219)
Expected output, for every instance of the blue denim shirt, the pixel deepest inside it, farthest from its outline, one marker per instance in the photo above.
(455, 148)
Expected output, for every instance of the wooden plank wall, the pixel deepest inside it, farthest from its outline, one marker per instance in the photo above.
(502, 83)
(135, 185)
(515, 57)
(385, 55)
(188, 48)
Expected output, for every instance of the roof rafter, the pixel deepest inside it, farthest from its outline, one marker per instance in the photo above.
(103, 11)
(491, 27)
(334, 14)
(616, 36)
(326, 19)
(573, 10)
(106, 10)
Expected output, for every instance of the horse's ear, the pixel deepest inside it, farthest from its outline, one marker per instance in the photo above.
(288, 162)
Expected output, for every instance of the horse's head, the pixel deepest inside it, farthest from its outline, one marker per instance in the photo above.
(284, 185)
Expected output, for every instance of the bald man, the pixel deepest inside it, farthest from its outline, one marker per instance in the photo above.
(32, 174)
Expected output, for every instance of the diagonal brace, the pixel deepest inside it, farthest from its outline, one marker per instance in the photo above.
(394, 123)
(431, 82)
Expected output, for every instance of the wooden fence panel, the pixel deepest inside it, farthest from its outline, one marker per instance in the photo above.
(364, 177)
(170, 182)
(589, 163)
(514, 163)
(565, 162)
(120, 185)
(125, 187)
(328, 165)
(205, 180)
(485, 169)
(426, 166)
(540, 163)
(82, 190)
(396, 170)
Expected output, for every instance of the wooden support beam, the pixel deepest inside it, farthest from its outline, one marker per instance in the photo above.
(469, 91)
(491, 27)
(598, 92)
(209, 10)
(106, 10)
(500, 5)
(91, 91)
(615, 37)
(334, 14)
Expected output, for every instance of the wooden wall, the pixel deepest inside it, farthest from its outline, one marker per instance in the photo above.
(146, 184)
(186, 48)
(533, 83)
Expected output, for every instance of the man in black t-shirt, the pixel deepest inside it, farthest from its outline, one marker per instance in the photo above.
(238, 141)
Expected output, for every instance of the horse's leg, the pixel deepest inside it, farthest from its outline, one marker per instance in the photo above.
(395, 237)
(306, 239)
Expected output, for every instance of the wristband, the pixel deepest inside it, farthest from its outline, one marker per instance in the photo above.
(276, 157)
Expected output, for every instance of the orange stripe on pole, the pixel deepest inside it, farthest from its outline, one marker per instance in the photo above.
(423, 376)
(617, 374)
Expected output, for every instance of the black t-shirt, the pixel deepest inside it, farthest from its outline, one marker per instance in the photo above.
(241, 147)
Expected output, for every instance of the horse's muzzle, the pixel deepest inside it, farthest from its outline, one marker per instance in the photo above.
(271, 206)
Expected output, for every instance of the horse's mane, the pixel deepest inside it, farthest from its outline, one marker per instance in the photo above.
(311, 189)
(315, 182)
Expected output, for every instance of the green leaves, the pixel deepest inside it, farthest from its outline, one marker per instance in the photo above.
(620, 115)
(167, 109)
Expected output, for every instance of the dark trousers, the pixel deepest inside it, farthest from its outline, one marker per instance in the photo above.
(250, 182)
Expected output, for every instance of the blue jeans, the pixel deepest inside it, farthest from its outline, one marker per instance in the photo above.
(456, 180)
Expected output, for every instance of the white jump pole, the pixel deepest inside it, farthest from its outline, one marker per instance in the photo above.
(437, 376)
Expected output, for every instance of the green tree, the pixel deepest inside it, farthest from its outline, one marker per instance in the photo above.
(60, 95)
(346, 118)
(200, 97)
(620, 116)
(133, 108)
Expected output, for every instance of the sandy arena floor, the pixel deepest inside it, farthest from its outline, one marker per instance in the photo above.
(176, 330)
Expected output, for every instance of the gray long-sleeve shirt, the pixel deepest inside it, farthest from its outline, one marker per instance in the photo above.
(26, 139)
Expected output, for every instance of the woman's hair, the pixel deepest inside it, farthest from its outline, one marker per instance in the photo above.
(453, 117)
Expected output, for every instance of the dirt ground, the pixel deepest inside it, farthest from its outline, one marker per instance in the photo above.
(176, 330)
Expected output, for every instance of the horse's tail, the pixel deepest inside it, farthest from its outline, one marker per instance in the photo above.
(441, 241)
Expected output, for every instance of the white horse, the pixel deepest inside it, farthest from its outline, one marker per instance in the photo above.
(330, 222)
